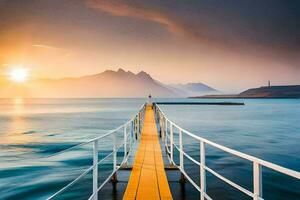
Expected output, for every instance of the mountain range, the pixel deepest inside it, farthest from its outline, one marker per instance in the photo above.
(109, 83)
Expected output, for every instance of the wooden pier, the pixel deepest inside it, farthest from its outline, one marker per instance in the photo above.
(148, 179)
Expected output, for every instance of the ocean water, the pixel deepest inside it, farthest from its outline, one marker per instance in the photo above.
(265, 128)
(31, 130)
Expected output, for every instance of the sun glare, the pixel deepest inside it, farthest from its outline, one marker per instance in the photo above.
(19, 75)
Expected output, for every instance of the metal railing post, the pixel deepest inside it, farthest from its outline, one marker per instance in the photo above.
(138, 123)
(125, 143)
(131, 129)
(114, 177)
(95, 170)
(181, 151)
(130, 139)
(171, 142)
(160, 124)
(166, 131)
(257, 181)
(166, 127)
(134, 129)
(202, 171)
(115, 153)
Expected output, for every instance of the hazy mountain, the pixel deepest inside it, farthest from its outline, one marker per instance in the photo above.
(109, 83)
(106, 84)
(193, 89)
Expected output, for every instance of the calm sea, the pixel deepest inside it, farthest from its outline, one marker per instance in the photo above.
(31, 130)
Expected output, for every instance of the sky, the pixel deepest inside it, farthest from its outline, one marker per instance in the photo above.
(230, 45)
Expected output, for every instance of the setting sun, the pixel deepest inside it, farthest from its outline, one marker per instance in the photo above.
(19, 75)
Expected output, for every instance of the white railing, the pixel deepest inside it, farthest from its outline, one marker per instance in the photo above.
(134, 126)
(167, 133)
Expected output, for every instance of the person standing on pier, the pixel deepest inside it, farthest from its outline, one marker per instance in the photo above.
(149, 99)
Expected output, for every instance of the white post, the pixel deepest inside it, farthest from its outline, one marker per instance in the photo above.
(160, 123)
(162, 126)
(114, 177)
(202, 171)
(115, 153)
(125, 143)
(166, 127)
(181, 151)
(130, 139)
(134, 129)
(257, 181)
(95, 170)
(166, 131)
(137, 124)
(138, 119)
(171, 142)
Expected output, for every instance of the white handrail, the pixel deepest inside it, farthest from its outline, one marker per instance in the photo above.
(133, 123)
(257, 163)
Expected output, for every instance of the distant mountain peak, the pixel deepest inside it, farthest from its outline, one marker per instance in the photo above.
(120, 70)
(107, 71)
(144, 75)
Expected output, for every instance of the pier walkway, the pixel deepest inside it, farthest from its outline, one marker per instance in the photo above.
(148, 179)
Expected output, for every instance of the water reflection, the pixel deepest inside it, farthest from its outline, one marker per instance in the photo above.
(18, 130)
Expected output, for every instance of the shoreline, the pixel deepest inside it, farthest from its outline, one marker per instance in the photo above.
(237, 97)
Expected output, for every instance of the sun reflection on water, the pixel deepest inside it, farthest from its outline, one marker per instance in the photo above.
(18, 131)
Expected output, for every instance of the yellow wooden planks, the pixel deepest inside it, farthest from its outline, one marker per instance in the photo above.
(148, 179)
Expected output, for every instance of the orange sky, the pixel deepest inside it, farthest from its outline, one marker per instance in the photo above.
(174, 44)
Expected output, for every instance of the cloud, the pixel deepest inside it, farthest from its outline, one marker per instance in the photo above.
(64, 51)
(121, 8)
(45, 46)
(206, 35)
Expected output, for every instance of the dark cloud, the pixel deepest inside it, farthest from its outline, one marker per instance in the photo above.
(270, 24)
(231, 23)
(137, 10)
